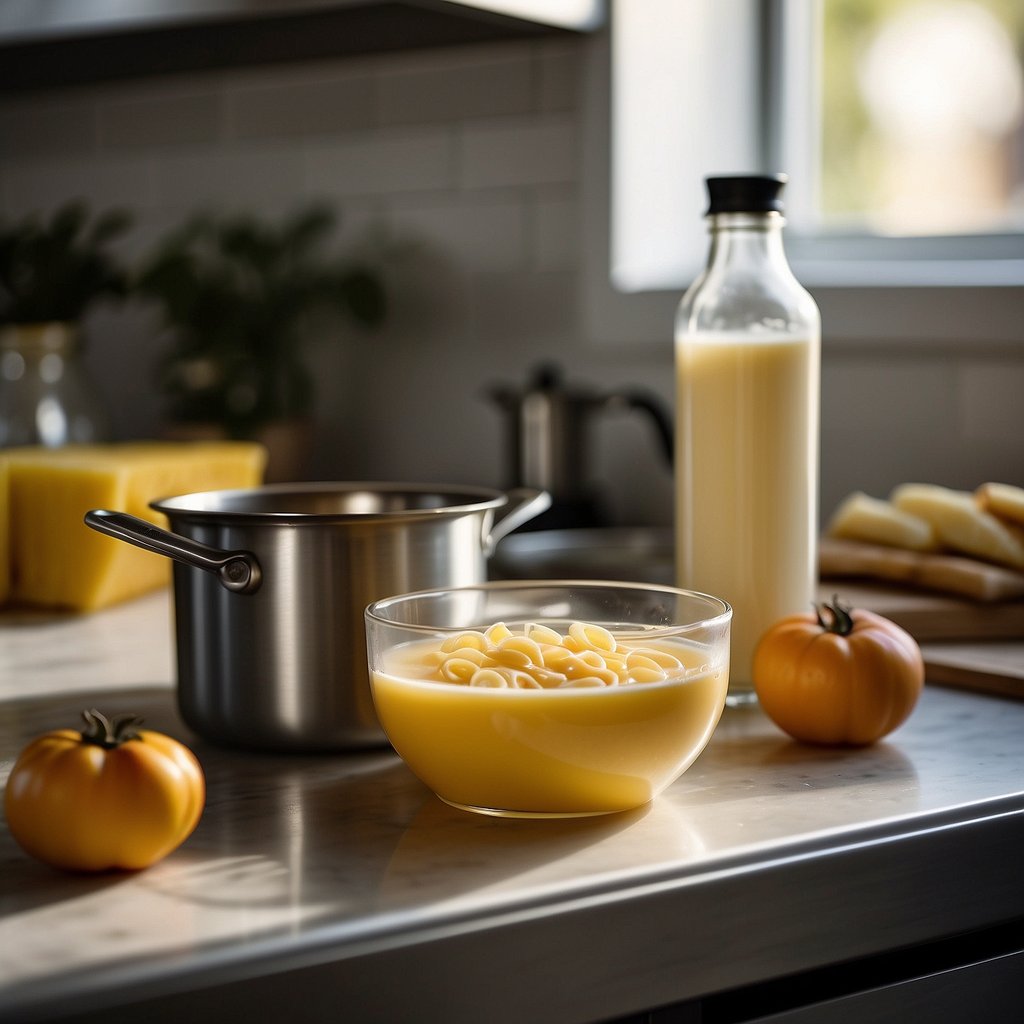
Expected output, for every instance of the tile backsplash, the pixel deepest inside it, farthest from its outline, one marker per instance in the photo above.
(472, 158)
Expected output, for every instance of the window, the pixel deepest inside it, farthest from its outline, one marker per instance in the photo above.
(900, 122)
(921, 126)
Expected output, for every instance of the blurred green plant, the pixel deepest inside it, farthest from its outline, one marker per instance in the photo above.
(241, 298)
(55, 269)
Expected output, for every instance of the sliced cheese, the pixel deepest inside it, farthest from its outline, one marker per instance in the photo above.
(54, 560)
(961, 525)
(1003, 500)
(861, 517)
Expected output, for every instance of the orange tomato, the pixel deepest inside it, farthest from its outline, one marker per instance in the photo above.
(110, 796)
(838, 675)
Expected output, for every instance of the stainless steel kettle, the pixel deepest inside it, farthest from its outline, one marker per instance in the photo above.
(546, 428)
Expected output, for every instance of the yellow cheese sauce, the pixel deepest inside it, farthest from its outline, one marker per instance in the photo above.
(549, 751)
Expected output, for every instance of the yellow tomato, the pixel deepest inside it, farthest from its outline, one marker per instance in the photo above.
(111, 796)
(850, 678)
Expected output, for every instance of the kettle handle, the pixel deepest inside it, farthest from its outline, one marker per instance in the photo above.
(646, 402)
(238, 571)
(524, 503)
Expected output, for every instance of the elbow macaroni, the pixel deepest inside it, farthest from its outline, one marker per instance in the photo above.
(542, 658)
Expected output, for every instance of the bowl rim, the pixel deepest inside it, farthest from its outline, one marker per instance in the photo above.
(723, 616)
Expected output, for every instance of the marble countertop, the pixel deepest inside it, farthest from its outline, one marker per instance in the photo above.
(316, 884)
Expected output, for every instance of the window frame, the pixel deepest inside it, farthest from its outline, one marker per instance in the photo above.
(916, 295)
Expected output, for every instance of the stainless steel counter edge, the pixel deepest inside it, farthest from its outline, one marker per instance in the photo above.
(600, 951)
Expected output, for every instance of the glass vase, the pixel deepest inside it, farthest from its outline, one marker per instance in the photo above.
(46, 394)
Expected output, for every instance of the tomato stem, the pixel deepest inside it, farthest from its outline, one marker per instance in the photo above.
(840, 621)
(109, 732)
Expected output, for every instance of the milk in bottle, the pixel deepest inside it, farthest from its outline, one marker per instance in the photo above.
(747, 362)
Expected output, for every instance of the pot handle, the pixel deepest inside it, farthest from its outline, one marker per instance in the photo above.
(238, 571)
(524, 503)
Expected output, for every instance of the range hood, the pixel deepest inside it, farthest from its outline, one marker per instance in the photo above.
(49, 43)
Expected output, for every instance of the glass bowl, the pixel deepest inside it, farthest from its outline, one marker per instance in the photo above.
(581, 698)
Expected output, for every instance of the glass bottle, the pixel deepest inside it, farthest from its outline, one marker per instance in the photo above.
(46, 397)
(747, 342)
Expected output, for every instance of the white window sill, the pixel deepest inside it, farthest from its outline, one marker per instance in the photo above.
(994, 273)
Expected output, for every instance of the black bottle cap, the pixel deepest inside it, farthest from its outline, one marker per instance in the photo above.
(746, 193)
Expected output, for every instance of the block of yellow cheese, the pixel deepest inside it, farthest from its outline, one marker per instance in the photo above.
(54, 560)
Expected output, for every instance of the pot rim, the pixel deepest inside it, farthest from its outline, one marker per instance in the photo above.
(218, 506)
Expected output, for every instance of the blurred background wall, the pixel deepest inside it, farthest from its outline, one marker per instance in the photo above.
(479, 162)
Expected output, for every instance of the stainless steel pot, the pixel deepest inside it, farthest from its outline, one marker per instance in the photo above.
(270, 585)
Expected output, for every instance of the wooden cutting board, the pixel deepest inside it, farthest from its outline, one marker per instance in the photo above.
(932, 596)
(996, 667)
(931, 616)
(966, 644)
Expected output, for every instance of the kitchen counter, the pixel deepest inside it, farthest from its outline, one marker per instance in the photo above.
(320, 887)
